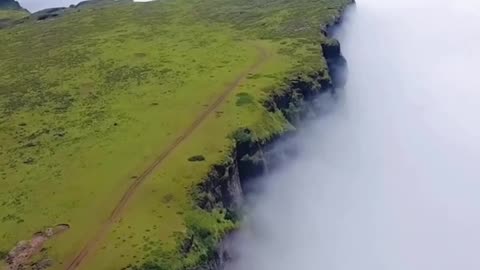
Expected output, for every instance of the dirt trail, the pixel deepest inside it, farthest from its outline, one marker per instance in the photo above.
(91, 245)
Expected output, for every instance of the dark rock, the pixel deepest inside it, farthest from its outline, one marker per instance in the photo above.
(49, 13)
(337, 64)
(331, 49)
(60, 134)
(10, 4)
(187, 245)
(30, 144)
(196, 158)
(221, 188)
(29, 161)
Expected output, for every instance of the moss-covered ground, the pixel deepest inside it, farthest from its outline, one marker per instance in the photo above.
(89, 99)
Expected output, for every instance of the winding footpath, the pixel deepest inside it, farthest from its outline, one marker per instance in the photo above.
(116, 213)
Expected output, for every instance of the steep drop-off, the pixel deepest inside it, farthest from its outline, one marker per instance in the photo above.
(227, 184)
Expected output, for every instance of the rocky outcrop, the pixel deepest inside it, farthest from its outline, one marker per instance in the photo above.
(49, 13)
(222, 188)
(336, 62)
(11, 13)
(10, 5)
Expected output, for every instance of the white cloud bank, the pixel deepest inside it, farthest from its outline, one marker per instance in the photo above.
(391, 179)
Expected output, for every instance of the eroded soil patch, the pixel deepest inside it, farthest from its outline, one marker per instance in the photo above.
(30, 254)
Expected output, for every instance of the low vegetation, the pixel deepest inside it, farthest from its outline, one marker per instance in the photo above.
(11, 12)
(89, 98)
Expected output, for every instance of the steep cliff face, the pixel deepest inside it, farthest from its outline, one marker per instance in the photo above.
(226, 185)
(222, 188)
(250, 159)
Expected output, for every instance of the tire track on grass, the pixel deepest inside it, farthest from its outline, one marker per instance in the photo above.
(92, 243)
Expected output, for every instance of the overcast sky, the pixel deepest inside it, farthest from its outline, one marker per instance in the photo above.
(36, 5)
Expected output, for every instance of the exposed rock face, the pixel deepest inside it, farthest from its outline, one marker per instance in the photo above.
(251, 159)
(49, 13)
(222, 188)
(337, 64)
(10, 4)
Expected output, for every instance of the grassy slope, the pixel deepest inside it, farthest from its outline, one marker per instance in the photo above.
(11, 11)
(12, 15)
(89, 99)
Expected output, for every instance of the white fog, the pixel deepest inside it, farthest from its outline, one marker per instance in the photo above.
(390, 180)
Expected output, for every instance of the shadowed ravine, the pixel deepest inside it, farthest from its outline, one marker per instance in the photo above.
(389, 179)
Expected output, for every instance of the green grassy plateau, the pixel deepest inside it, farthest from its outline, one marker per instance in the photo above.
(89, 99)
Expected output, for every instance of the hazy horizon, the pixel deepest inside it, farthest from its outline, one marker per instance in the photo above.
(36, 5)
(389, 180)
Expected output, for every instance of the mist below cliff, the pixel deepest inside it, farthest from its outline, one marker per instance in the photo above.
(390, 179)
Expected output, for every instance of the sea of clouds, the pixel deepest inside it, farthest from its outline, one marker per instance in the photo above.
(390, 179)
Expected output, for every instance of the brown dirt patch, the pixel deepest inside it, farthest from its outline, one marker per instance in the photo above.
(21, 256)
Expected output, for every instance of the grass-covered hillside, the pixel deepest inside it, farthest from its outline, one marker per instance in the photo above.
(11, 11)
(92, 98)
(10, 5)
